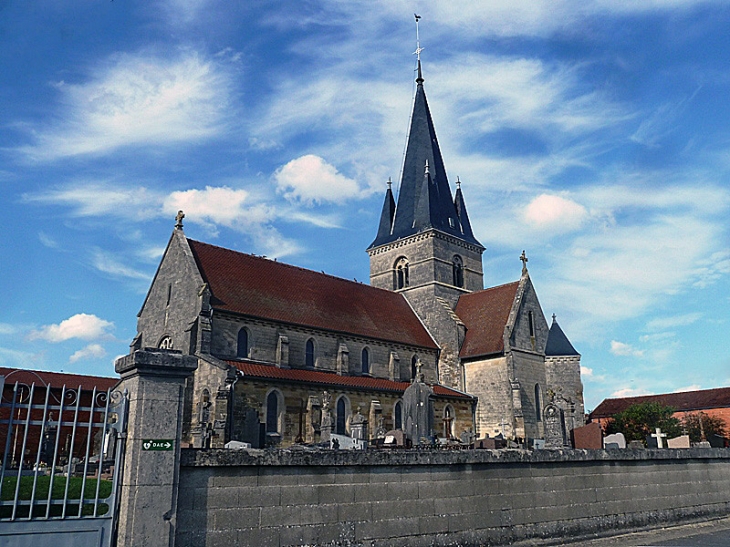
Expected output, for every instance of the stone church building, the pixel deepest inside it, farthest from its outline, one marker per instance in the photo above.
(288, 355)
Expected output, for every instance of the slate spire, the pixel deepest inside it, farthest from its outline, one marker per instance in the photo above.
(386, 216)
(461, 211)
(557, 342)
(441, 212)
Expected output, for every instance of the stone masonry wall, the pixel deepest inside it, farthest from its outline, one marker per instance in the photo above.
(389, 498)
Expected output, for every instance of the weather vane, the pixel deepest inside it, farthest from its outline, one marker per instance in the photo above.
(419, 49)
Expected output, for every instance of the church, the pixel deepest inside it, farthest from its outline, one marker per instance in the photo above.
(288, 355)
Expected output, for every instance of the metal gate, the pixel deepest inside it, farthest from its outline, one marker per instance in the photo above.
(62, 453)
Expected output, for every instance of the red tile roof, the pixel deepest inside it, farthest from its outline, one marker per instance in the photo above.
(262, 288)
(485, 314)
(56, 379)
(685, 401)
(318, 377)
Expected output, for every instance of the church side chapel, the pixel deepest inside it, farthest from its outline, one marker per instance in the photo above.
(288, 355)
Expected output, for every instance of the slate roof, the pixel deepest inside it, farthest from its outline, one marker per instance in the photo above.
(262, 288)
(485, 314)
(56, 379)
(686, 401)
(322, 378)
(424, 199)
(558, 343)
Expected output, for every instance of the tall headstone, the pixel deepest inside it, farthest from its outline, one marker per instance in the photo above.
(553, 426)
(155, 382)
(326, 427)
(417, 410)
(359, 426)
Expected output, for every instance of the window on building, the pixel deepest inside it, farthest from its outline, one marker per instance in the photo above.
(341, 424)
(309, 354)
(242, 347)
(538, 403)
(448, 421)
(458, 271)
(365, 361)
(272, 412)
(165, 343)
(398, 416)
(531, 320)
(401, 273)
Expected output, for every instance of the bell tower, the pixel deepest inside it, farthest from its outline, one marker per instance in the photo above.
(425, 247)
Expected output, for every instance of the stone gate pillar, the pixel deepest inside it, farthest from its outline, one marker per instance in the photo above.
(155, 381)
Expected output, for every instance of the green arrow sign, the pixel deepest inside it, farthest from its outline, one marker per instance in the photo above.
(158, 444)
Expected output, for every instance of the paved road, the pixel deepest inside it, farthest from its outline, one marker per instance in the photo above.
(714, 533)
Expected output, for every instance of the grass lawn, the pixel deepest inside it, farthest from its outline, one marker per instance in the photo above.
(59, 487)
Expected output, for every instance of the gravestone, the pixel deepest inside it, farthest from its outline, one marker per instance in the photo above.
(636, 445)
(359, 426)
(553, 427)
(587, 437)
(539, 444)
(417, 409)
(678, 442)
(656, 439)
(394, 437)
(244, 418)
(343, 442)
(717, 441)
(616, 439)
(326, 427)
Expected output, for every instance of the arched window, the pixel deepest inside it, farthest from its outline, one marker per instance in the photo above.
(242, 347)
(458, 271)
(309, 354)
(365, 361)
(448, 421)
(401, 273)
(342, 410)
(414, 360)
(272, 412)
(538, 403)
(165, 343)
(398, 416)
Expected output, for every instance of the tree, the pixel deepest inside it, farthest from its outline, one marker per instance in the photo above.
(640, 420)
(711, 425)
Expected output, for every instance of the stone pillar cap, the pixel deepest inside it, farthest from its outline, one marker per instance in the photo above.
(156, 362)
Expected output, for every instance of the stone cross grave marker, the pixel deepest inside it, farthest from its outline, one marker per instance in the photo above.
(658, 438)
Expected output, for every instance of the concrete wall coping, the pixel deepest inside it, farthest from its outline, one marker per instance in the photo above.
(195, 457)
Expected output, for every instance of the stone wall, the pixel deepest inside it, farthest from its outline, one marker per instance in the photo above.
(280, 498)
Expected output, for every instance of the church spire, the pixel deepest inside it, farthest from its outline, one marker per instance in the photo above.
(441, 212)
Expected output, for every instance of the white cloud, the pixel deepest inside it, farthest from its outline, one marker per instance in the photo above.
(92, 351)
(693, 387)
(625, 350)
(555, 213)
(110, 264)
(310, 179)
(235, 209)
(137, 100)
(673, 322)
(630, 392)
(6, 328)
(83, 326)
(91, 199)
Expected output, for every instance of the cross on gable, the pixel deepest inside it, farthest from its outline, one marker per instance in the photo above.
(524, 259)
(178, 219)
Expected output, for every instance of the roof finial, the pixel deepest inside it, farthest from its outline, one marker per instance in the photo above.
(458, 182)
(554, 318)
(417, 53)
(178, 220)
(426, 173)
(390, 183)
(523, 258)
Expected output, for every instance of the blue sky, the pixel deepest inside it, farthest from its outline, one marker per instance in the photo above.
(593, 134)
